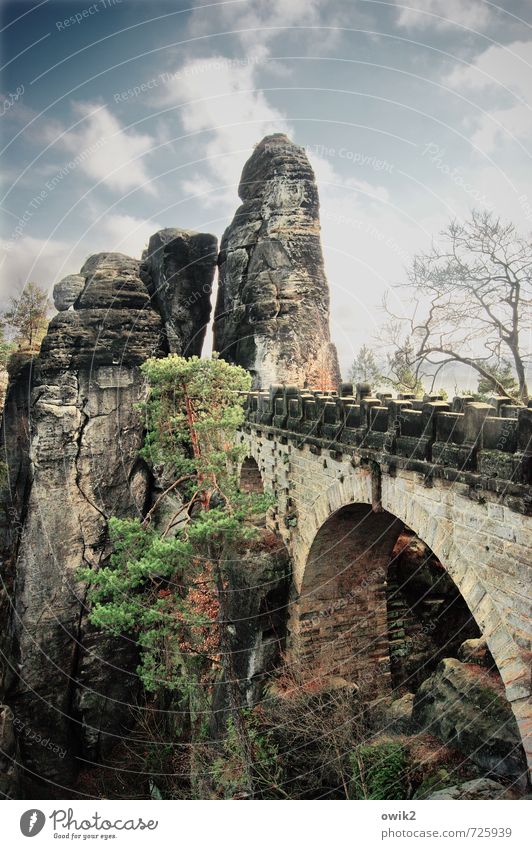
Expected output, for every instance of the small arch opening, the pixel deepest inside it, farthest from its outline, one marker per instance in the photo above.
(250, 477)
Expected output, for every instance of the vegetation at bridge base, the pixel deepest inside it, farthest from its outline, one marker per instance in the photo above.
(379, 771)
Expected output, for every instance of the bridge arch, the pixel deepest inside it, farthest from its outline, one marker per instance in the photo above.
(375, 522)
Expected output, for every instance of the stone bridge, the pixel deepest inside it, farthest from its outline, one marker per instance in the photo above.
(349, 472)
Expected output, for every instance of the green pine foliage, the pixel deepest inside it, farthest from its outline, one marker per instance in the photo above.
(161, 584)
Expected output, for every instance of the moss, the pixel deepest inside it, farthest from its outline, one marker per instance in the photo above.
(379, 771)
(434, 781)
(491, 703)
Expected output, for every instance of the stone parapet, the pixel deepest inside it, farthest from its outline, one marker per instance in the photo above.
(488, 444)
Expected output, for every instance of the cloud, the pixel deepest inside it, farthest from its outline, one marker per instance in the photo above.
(107, 151)
(127, 234)
(507, 66)
(219, 97)
(502, 77)
(442, 14)
(259, 22)
(43, 261)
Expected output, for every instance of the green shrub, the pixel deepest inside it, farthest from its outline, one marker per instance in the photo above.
(379, 771)
(228, 769)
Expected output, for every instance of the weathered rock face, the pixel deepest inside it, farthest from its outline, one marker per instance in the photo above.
(15, 439)
(427, 617)
(15, 481)
(479, 788)
(258, 585)
(272, 312)
(476, 651)
(399, 714)
(464, 705)
(73, 685)
(178, 270)
(259, 594)
(71, 434)
(67, 290)
(112, 281)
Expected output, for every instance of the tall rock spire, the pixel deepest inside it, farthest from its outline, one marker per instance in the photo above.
(272, 312)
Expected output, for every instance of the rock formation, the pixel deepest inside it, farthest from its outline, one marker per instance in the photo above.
(72, 685)
(178, 270)
(67, 290)
(272, 312)
(72, 431)
(463, 705)
(479, 788)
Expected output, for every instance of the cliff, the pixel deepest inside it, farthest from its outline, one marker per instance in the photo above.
(72, 431)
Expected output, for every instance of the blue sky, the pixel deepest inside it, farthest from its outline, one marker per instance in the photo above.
(119, 118)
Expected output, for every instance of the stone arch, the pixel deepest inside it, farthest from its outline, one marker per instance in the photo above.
(357, 492)
(250, 477)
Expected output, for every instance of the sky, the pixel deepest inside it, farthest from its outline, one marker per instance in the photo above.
(120, 117)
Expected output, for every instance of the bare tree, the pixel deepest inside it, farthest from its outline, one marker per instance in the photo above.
(471, 299)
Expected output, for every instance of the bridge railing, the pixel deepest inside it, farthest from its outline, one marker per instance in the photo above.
(493, 439)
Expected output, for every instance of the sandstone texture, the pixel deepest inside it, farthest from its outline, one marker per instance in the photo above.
(67, 290)
(483, 543)
(479, 788)
(81, 466)
(476, 651)
(258, 583)
(465, 706)
(71, 434)
(178, 270)
(272, 311)
(399, 714)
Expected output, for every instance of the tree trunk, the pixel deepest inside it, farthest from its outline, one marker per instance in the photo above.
(521, 377)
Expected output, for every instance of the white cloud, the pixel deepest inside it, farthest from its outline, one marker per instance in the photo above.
(504, 75)
(208, 193)
(441, 14)
(508, 66)
(45, 261)
(367, 242)
(259, 22)
(42, 261)
(107, 151)
(361, 239)
(219, 96)
(128, 235)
